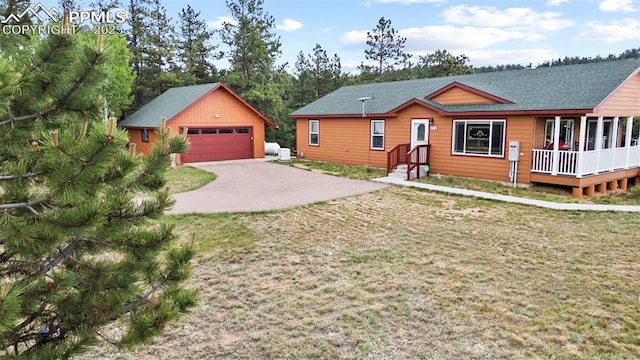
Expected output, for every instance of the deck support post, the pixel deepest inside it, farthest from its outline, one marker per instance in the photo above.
(602, 188)
(624, 184)
(577, 192)
(590, 190)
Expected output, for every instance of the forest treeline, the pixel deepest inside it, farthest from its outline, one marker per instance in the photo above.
(166, 53)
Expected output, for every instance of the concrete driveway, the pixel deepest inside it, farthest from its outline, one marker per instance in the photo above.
(253, 185)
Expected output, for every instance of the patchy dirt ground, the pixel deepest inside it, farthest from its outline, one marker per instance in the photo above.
(407, 274)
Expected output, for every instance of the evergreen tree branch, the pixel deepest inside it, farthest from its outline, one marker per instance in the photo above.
(145, 297)
(26, 204)
(62, 255)
(21, 176)
(92, 64)
(33, 116)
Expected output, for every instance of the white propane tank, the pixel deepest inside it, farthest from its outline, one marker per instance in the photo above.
(271, 148)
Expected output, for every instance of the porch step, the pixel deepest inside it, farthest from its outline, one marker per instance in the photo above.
(401, 173)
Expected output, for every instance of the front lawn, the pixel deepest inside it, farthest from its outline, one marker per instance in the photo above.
(540, 191)
(338, 169)
(403, 274)
(185, 178)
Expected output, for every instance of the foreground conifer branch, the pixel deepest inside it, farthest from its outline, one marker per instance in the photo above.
(81, 246)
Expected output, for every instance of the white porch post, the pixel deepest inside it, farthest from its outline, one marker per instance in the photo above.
(556, 146)
(581, 140)
(614, 139)
(627, 140)
(598, 141)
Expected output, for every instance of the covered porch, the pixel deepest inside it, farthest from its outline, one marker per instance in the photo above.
(593, 153)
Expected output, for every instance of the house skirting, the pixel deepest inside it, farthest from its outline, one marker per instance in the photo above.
(589, 185)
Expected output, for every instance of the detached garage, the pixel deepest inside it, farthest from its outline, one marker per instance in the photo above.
(219, 124)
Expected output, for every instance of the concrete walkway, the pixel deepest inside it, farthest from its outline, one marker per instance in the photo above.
(256, 185)
(511, 199)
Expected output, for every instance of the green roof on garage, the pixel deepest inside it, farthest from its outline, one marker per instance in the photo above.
(175, 100)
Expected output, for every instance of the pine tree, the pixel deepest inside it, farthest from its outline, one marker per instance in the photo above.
(316, 75)
(386, 49)
(442, 63)
(158, 71)
(195, 51)
(303, 90)
(78, 248)
(253, 50)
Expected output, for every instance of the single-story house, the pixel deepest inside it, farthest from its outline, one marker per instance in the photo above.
(220, 125)
(499, 126)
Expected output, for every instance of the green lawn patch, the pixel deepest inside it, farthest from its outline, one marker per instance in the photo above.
(185, 178)
(338, 169)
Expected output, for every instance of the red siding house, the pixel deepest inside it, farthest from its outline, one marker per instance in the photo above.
(219, 124)
(466, 125)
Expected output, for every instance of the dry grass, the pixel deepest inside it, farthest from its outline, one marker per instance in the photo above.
(547, 192)
(406, 274)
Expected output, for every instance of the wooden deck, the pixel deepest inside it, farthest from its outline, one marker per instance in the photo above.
(589, 185)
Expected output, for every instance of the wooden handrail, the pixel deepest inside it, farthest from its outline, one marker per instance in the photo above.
(397, 156)
(416, 157)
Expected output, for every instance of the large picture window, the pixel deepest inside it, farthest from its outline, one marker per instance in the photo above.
(314, 132)
(377, 134)
(478, 137)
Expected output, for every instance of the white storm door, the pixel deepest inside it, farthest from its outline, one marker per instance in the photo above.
(419, 132)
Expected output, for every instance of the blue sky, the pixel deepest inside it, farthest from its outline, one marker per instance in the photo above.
(489, 32)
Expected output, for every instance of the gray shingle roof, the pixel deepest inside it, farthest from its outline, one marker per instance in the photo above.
(567, 87)
(166, 106)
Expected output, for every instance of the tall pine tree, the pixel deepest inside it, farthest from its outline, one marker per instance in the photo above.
(77, 248)
(159, 71)
(386, 47)
(195, 50)
(316, 75)
(253, 49)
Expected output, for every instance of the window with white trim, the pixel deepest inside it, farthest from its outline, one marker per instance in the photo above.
(144, 135)
(377, 134)
(314, 132)
(479, 137)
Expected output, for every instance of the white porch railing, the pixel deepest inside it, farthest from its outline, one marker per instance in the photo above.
(574, 163)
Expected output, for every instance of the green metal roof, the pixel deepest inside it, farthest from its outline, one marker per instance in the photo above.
(567, 87)
(166, 106)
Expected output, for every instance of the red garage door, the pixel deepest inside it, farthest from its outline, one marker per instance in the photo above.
(225, 143)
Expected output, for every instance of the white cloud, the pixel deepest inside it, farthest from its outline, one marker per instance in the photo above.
(354, 37)
(220, 20)
(515, 18)
(523, 57)
(616, 31)
(409, 2)
(556, 2)
(289, 25)
(617, 6)
(468, 37)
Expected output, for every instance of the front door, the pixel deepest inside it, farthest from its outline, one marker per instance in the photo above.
(419, 132)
